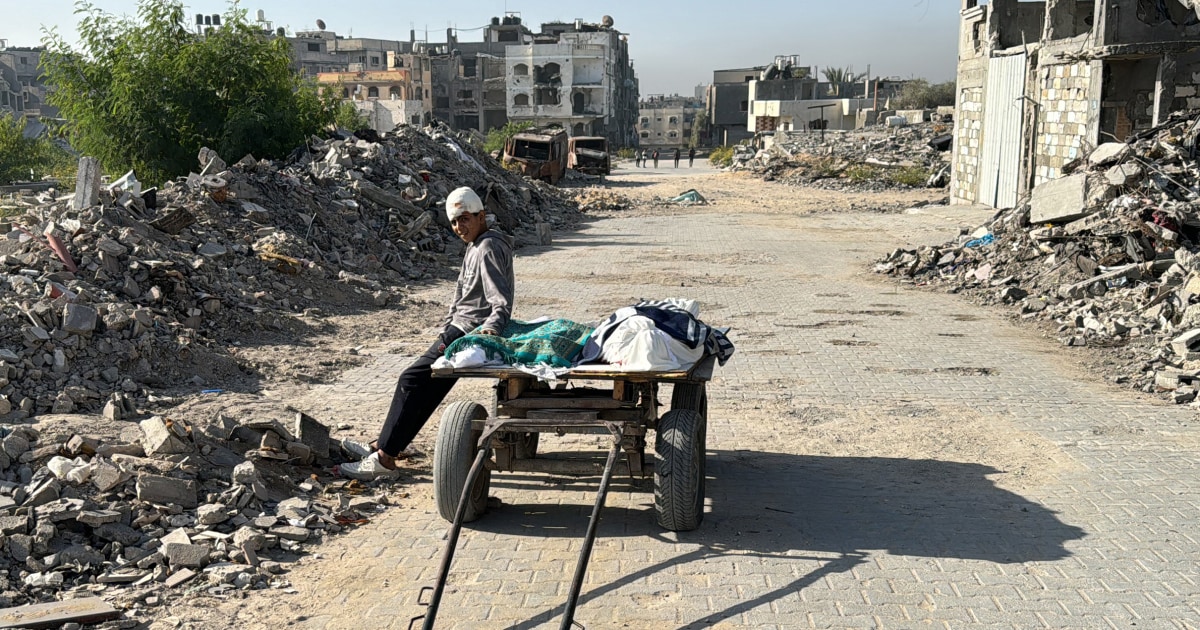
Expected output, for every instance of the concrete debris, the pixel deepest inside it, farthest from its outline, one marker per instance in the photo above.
(109, 294)
(1108, 255)
(870, 159)
(83, 511)
(593, 199)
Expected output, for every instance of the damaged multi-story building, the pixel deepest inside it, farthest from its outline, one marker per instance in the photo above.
(22, 92)
(1041, 83)
(469, 78)
(577, 76)
(665, 122)
(398, 95)
(789, 97)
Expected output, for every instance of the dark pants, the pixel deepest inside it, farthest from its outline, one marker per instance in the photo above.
(418, 393)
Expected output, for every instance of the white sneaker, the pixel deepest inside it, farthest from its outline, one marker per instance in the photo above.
(369, 469)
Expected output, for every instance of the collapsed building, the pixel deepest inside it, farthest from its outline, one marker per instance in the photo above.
(577, 76)
(1042, 83)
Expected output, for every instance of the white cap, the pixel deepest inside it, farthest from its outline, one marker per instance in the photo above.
(462, 201)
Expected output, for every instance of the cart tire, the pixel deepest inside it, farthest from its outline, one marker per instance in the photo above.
(679, 470)
(694, 396)
(452, 459)
(526, 446)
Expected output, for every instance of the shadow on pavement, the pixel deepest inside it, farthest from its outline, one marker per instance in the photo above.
(785, 507)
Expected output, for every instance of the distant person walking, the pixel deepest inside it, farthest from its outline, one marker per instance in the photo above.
(637, 157)
(656, 158)
(691, 156)
(676, 157)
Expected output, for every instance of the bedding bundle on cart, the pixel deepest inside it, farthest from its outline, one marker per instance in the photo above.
(657, 336)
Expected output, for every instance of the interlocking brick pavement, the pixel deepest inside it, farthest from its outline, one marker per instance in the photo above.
(794, 539)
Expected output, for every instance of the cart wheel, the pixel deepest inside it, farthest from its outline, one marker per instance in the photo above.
(679, 470)
(452, 458)
(526, 446)
(694, 396)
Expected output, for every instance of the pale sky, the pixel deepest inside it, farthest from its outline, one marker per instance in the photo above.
(674, 45)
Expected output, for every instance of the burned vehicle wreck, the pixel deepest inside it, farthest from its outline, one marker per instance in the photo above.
(540, 154)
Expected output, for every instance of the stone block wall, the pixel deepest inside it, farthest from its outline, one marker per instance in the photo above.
(1066, 118)
(968, 137)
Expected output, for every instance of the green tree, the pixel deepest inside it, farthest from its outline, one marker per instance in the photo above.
(147, 93)
(22, 158)
(699, 128)
(920, 94)
(498, 136)
(837, 76)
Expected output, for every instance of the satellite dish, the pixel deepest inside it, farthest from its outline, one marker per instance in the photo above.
(321, 25)
(606, 21)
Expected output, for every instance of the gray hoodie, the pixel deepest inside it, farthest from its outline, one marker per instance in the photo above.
(484, 295)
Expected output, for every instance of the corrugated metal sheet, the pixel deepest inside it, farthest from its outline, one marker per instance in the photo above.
(1003, 128)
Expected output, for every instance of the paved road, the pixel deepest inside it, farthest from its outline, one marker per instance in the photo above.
(1098, 527)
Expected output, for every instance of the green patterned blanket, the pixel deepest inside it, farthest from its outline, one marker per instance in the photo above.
(557, 342)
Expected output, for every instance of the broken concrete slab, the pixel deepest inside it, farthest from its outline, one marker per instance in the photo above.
(82, 610)
(312, 433)
(1060, 200)
(1187, 342)
(180, 555)
(79, 319)
(167, 490)
(87, 184)
(160, 438)
(1108, 153)
(179, 577)
(1124, 174)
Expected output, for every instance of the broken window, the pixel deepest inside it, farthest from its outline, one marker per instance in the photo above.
(578, 129)
(673, 134)
(468, 67)
(1070, 18)
(521, 100)
(374, 61)
(645, 134)
(314, 48)
(577, 102)
(372, 92)
(466, 94)
(547, 96)
(745, 106)
(550, 74)
(521, 70)
(673, 120)
(645, 120)
(399, 62)
(394, 92)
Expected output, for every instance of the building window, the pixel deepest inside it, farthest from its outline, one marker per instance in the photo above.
(314, 48)
(645, 120)
(659, 133)
(672, 135)
(674, 120)
(466, 94)
(468, 67)
(521, 100)
(521, 70)
(399, 62)
(443, 102)
(749, 78)
(372, 92)
(745, 106)
(394, 92)
(645, 134)
(420, 94)
(24, 61)
(345, 92)
(374, 61)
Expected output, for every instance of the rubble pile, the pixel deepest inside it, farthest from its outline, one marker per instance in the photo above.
(870, 159)
(167, 509)
(593, 199)
(115, 290)
(1109, 253)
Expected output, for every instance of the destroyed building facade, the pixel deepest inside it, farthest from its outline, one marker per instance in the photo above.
(577, 76)
(401, 94)
(1041, 83)
(22, 92)
(665, 122)
(787, 96)
(470, 90)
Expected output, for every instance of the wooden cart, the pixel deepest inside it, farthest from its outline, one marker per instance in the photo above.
(475, 441)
